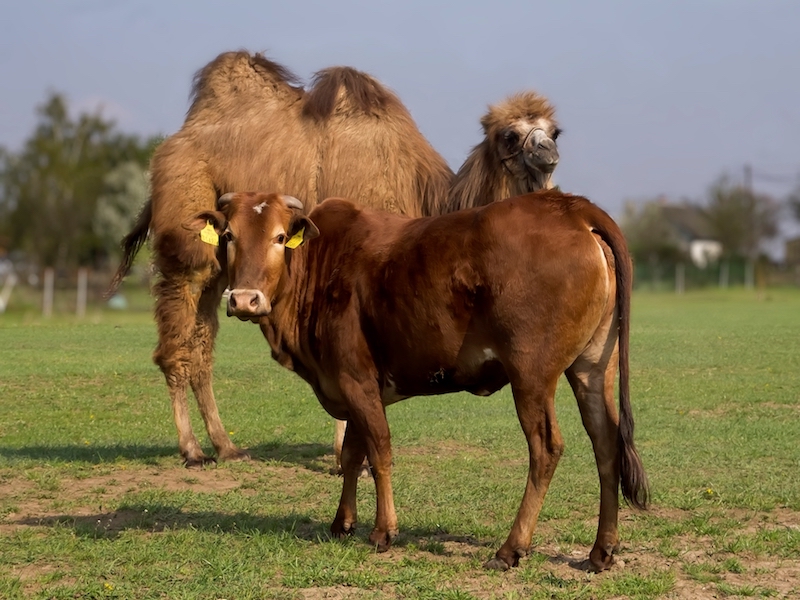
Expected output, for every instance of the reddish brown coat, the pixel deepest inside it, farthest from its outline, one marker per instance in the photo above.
(380, 307)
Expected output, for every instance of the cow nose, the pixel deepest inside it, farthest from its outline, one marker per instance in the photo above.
(247, 304)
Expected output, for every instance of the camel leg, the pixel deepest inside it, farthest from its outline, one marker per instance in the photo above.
(338, 441)
(338, 438)
(367, 416)
(592, 382)
(352, 453)
(175, 314)
(535, 405)
(202, 360)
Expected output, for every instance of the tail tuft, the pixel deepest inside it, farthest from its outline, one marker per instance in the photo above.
(131, 244)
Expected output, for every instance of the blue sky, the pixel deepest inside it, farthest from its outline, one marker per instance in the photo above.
(654, 97)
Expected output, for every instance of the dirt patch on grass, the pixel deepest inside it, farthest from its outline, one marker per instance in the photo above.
(33, 500)
(693, 566)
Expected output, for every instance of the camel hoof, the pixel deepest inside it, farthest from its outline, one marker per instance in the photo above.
(199, 462)
(234, 455)
(364, 472)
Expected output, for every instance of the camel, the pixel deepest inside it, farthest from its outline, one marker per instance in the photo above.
(252, 126)
(517, 155)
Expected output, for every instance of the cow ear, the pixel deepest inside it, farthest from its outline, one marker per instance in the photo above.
(301, 229)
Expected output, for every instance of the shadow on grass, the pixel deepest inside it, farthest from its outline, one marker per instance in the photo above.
(90, 454)
(314, 457)
(161, 517)
(157, 518)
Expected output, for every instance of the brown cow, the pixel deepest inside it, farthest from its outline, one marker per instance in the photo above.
(381, 307)
(251, 127)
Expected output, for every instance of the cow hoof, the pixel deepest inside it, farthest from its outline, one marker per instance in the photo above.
(496, 564)
(601, 559)
(503, 560)
(234, 455)
(342, 530)
(199, 462)
(382, 540)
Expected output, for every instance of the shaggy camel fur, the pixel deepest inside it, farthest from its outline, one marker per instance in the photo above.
(251, 126)
(517, 155)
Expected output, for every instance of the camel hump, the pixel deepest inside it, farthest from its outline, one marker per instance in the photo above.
(526, 105)
(239, 74)
(347, 90)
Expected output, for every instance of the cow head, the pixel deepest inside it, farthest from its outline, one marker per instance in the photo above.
(259, 230)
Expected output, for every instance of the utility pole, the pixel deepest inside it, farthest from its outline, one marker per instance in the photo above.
(750, 263)
(748, 177)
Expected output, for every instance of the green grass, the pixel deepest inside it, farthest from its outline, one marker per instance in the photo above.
(94, 503)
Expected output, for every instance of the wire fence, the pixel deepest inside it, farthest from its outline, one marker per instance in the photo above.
(685, 276)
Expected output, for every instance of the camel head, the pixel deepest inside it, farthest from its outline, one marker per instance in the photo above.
(521, 134)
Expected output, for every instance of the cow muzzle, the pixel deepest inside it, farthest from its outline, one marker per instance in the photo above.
(248, 304)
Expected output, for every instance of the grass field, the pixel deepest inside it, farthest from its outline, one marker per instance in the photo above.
(94, 502)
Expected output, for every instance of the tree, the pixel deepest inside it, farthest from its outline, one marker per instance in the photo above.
(794, 202)
(125, 190)
(650, 237)
(741, 219)
(50, 189)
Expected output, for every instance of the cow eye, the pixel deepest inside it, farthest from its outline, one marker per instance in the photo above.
(281, 239)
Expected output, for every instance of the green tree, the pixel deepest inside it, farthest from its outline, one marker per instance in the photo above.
(741, 219)
(794, 202)
(125, 191)
(651, 238)
(49, 190)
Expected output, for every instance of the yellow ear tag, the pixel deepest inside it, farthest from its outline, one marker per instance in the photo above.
(296, 239)
(209, 235)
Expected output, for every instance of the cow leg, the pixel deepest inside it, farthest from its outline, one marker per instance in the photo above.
(202, 359)
(367, 415)
(175, 314)
(592, 382)
(352, 452)
(536, 411)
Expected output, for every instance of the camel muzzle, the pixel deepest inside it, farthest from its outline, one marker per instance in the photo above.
(543, 157)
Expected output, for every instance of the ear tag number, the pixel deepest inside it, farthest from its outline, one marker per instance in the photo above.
(296, 239)
(209, 235)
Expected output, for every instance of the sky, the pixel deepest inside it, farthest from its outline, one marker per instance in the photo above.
(655, 98)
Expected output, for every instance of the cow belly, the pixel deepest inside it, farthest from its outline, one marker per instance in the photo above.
(481, 374)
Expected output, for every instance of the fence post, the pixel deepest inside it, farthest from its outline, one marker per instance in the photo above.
(10, 282)
(47, 301)
(749, 273)
(83, 284)
(723, 274)
(680, 278)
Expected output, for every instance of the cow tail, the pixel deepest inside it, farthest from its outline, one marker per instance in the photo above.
(633, 480)
(131, 244)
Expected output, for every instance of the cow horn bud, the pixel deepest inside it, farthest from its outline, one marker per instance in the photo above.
(225, 199)
(293, 202)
